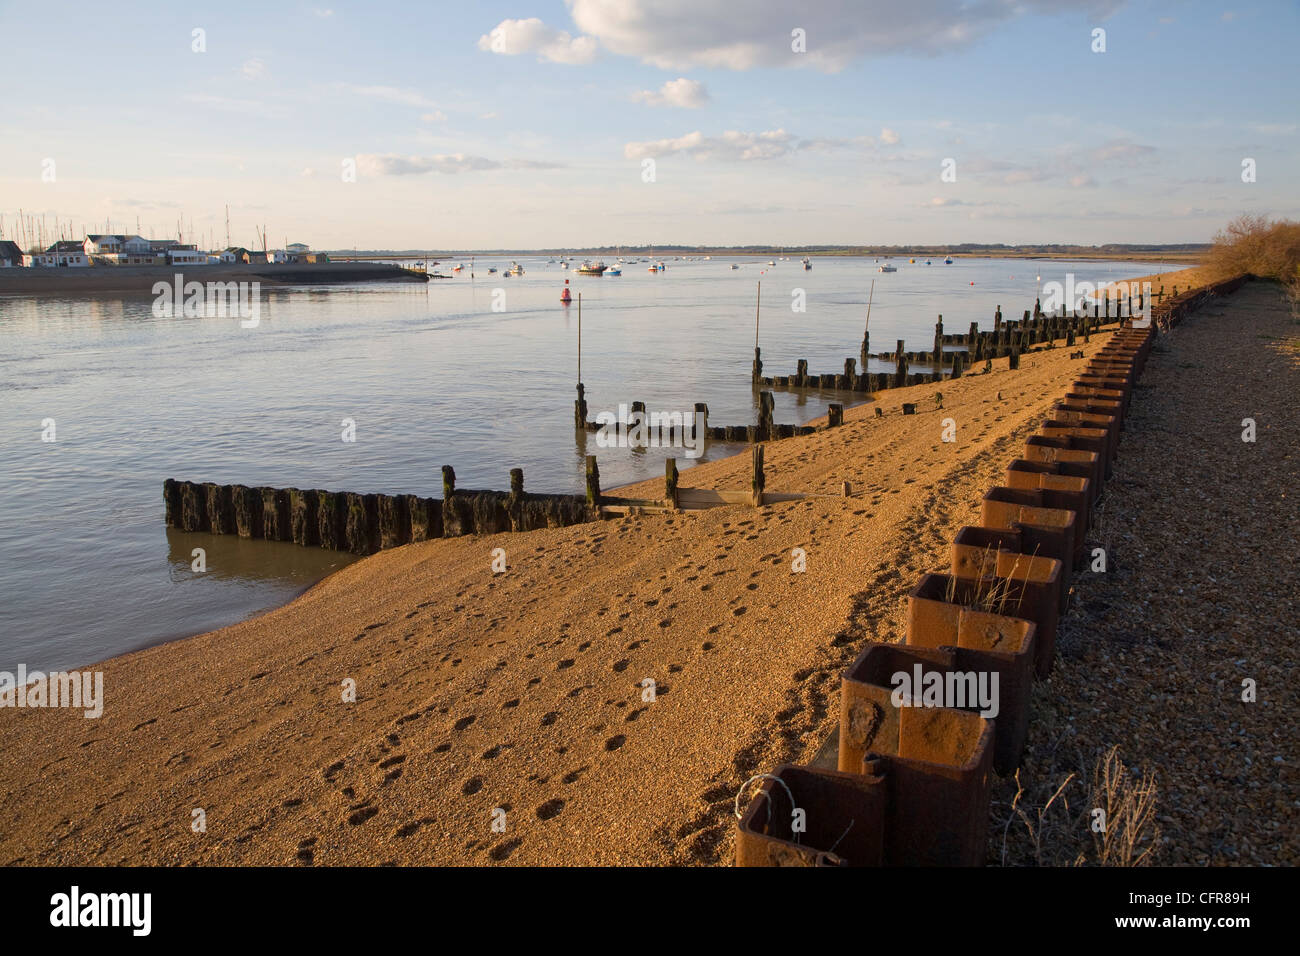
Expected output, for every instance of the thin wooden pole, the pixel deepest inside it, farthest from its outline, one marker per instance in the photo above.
(579, 338)
(871, 295)
(757, 306)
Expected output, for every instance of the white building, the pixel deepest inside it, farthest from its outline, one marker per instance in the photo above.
(64, 253)
(120, 250)
(186, 257)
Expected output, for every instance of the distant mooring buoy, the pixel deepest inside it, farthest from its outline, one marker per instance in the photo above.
(565, 297)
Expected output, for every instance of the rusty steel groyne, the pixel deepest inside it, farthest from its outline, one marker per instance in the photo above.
(913, 779)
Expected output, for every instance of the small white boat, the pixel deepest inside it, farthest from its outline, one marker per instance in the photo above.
(948, 261)
(888, 269)
(515, 269)
(735, 265)
(613, 271)
(492, 271)
(806, 264)
(771, 262)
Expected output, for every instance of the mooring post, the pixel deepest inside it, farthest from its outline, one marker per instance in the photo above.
(759, 481)
(938, 340)
(758, 362)
(766, 404)
(900, 365)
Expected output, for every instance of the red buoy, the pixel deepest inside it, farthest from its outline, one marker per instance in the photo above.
(564, 296)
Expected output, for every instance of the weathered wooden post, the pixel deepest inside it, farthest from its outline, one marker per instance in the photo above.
(997, 320)
(957, 364)
(670, 482)
(702, 424)
(766, 403)
(900, 368)
(758, 481)
(1038, 308)
(938, 341)
(515, 504)
(580, 409)
(1014, 361)
(593, 482)
(834, 415)
(850, 372)
(758, 361)
(866, 331)
(801, 373)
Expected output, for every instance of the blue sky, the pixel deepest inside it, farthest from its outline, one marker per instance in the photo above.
(542, 141)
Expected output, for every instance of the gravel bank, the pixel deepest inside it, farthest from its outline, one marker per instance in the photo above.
(1200, 594)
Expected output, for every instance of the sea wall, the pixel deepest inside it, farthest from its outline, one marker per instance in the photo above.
(912, 784)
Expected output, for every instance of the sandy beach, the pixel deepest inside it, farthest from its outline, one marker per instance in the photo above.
(523, 691)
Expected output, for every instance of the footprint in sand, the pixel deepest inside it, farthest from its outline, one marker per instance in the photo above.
(550, 809)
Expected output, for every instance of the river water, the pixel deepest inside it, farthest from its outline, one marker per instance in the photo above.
(477, 373)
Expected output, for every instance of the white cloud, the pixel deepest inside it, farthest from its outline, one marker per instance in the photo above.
(513, 37)
(322, 12)
(888, 136)
(253, 69)
(374, 164)
(437, 116)
(683, 34)
(731, 145)
(681, 93)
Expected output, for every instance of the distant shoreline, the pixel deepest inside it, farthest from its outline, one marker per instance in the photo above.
(1189, 254)
(141, 279)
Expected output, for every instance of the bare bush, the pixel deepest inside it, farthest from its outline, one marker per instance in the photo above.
(1269, 249)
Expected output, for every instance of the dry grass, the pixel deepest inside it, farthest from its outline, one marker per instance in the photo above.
(1040, 827)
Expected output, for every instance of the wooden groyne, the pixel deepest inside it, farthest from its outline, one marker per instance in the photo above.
(911, 781)
(365, 523)
(954, 353)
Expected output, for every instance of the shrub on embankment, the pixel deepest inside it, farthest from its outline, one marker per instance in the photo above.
(1254, 244)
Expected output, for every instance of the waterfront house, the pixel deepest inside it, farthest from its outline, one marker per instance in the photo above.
(236, 254)
(121, 250)
(186, 256)
(64, 253)
(11, 257)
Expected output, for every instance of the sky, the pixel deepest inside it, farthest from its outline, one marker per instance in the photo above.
(574, 123)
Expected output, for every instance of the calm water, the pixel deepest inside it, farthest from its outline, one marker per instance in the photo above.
(431, 375)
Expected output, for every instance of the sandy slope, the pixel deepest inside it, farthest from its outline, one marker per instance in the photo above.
(522, 691)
